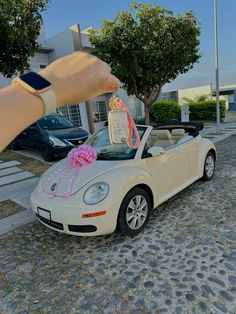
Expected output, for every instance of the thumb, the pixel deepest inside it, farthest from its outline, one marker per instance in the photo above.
(112, 84)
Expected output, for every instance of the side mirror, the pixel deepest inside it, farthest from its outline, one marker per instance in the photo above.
(32, 128)
(156, 151)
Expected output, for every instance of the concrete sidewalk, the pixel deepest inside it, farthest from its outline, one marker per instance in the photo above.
(16, 185)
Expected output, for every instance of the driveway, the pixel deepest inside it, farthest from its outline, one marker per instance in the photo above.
(183, 262)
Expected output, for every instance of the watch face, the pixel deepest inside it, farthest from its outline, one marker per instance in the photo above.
(35, 80)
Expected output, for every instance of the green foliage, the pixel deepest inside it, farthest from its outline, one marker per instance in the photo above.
(206, 110)
(147, 47)
(203, 97)
(165, 110)
(20, 22)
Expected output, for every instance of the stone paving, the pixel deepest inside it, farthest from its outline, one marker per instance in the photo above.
(15, 187)
(183, 262)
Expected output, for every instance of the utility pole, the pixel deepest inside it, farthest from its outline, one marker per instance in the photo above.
(216, 69)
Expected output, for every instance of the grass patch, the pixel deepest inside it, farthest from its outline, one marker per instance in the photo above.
(29, 164)
(8, 208)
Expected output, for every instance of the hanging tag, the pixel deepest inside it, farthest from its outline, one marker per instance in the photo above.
(121, 124)
(118, 126)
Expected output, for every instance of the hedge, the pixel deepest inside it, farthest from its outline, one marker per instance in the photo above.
(203, 110)
(206, 110)
(165, 110)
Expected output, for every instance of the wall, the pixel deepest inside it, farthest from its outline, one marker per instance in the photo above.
(39, 58)
(62, 43)
(193, 92)
(135, 105)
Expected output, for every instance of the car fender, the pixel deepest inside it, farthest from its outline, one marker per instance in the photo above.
(122, 180)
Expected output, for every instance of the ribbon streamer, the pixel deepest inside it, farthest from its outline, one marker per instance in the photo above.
(77, 158)
(116, 103)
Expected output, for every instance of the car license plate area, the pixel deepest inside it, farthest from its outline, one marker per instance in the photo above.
(44, 213)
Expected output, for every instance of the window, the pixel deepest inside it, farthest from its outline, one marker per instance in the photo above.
(72, 113)
(99, 110)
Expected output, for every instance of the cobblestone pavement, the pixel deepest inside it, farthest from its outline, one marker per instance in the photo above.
(184, 261)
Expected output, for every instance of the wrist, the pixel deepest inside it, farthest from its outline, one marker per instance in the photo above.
(54, 83)
(37, 85)
(35, 102)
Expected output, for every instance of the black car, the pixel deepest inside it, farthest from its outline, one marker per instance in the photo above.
(53, 136)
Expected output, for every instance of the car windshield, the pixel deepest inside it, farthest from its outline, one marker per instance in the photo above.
(106, 151)
(55, 123)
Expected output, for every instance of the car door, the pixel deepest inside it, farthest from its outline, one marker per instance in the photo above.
(29, 138)
(192, 147)
(170, 170)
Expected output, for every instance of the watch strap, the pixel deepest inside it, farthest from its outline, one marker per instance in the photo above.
(46, 94)
(49, 100)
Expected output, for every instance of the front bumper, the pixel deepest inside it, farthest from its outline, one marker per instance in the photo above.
(64, 215)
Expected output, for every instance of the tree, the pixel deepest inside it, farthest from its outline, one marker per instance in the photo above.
(147, 47)
(20, 22)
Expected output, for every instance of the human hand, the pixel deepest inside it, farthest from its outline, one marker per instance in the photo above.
(79, 77)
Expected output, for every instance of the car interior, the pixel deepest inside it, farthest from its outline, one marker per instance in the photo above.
(165, 138)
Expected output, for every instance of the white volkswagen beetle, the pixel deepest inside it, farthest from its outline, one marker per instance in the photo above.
(120, 189)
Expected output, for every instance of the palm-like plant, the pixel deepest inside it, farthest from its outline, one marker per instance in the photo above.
(197, 98)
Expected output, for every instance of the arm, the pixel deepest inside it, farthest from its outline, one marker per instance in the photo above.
(74, 78)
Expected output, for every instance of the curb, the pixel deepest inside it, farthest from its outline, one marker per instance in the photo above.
(17, 220)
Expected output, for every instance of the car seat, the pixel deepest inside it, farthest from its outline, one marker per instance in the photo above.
(163, 138)
(177, 134)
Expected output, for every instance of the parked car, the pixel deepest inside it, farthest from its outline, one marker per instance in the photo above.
(121, 188)
(53, 136)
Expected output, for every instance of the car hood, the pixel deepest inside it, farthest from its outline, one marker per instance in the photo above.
(70, 133)
(84, 175)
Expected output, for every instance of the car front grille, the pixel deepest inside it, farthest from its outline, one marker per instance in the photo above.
(51, 223)
(77, 141)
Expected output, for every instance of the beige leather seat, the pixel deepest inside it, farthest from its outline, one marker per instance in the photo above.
(152, 138)
(163, 138)
(177, 134)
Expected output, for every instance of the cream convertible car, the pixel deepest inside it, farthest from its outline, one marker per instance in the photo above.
(120, 189)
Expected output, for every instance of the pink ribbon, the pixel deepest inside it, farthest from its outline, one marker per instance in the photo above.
(77, 158)
(131, 125)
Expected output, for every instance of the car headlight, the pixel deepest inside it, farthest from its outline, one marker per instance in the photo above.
(56, 142)
(96, 193)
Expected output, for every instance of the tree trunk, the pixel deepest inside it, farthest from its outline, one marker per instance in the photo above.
(146, 111)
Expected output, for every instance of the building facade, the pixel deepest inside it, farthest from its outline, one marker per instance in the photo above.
(91, 115)
(227, 93)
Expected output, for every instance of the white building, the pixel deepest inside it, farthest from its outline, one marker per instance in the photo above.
(92, 115)
(227, 93)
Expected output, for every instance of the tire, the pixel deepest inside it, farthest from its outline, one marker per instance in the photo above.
(45, 154)
(209, 167)
(14, 146)
(127, 225)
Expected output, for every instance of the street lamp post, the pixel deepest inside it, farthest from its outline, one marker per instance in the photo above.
(216, 69)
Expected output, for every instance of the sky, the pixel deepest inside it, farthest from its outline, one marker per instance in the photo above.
(61, 14)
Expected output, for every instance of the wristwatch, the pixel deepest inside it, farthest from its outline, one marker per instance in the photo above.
(39, 86)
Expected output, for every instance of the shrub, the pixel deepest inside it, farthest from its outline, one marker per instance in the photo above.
(165, 110)
(206, 110)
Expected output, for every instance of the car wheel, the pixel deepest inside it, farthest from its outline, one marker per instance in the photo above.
(46, 154)
(209, 167)
(14, 146)
(134, 212)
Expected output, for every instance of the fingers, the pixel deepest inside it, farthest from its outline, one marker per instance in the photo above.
(112, 85)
